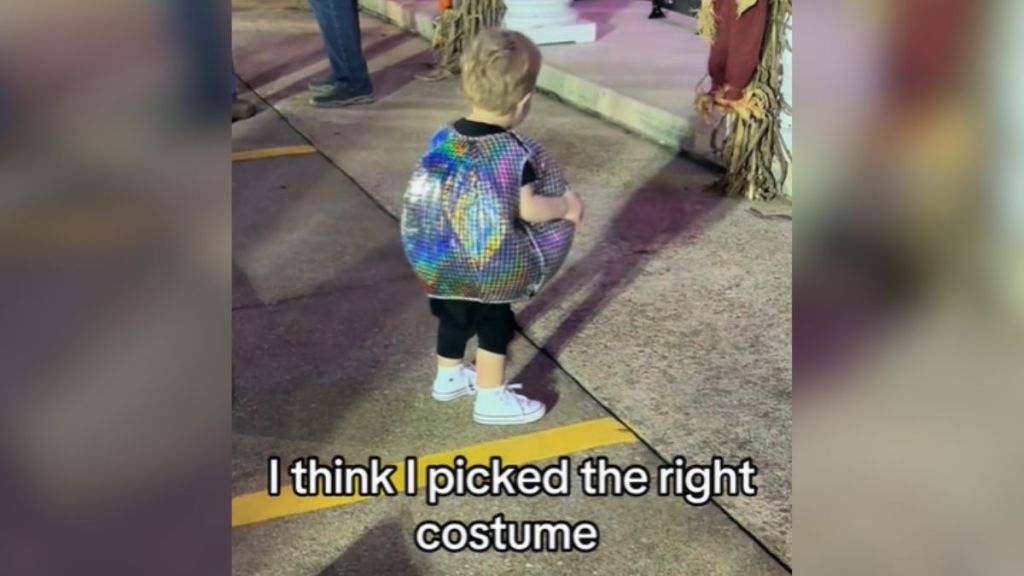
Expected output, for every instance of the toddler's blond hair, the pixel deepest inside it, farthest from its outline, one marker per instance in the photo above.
(499, 68)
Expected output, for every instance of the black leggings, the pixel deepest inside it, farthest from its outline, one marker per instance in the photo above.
(459, 320)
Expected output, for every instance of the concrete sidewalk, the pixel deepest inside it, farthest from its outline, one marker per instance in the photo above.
(640, 74)
(673, 312)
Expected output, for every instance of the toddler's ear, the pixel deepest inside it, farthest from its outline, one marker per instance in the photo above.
(523, 107)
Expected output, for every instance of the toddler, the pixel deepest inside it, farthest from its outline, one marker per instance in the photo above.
(487, 219)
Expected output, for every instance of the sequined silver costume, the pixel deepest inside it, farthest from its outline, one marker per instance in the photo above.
(461, 229)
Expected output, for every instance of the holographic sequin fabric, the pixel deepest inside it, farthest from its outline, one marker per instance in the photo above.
(460, 225)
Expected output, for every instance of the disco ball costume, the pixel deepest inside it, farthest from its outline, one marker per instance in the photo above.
(461, 230)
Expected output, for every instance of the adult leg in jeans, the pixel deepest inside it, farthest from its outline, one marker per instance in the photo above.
(339, 25)
(329, 33)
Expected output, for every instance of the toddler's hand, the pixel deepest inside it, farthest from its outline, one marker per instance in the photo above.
(575, 212)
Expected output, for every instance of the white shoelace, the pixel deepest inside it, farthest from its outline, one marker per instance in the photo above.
(470, 372)
(508, 392)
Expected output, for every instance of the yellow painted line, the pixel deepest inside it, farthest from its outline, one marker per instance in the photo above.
(272, 152)
(260, 507)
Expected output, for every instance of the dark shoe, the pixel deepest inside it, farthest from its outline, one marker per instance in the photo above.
(322, 85)
(242, 109)
(338, 98)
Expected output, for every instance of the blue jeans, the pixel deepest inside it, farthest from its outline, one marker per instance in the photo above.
(339, 25)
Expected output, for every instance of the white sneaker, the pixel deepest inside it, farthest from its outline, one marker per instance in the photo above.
(502, 406)
(455, 383)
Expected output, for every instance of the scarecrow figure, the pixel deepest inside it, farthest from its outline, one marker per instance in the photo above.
(460, 21)
(747, 40)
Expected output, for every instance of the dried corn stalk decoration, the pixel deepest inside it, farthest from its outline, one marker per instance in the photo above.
(455, 27)
(706, 27)
(747, 135)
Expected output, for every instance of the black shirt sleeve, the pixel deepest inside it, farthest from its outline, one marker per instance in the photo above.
(529, 174)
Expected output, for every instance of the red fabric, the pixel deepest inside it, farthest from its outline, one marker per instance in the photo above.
(736, 50)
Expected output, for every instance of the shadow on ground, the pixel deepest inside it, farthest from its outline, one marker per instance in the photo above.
(300, 57)
(319, 281)
(658, 213)
(603, 19)
(381, 550)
